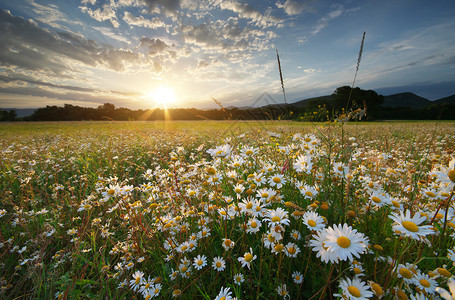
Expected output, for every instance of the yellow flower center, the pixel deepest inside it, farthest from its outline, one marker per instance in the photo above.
(424, 283)
(192, 193)
(200, 262)
(184, 248)
(430, 194)
(410, 226)
(276, 219)
(218, 264)
(271, 238)
(343, 242)
(309, 194)
(248, 152)
(276, 179)
(238, 191)
(451, 175)
(223, 298)
(292, 250)
(444, 272)
(264, 195)
(311, 223)
(248, 257)
(405, 273)
(376, 199)
(227, 242)
(395, 203)
(377, 289)
(278, 247)
(354, 291)
(357, 271)
(184, 269)
(249, 206)
(111, 192)
(147, 285)
(254, 224)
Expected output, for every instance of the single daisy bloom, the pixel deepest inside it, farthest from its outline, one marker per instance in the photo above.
(277, 180)
(297, 277)
(354, 289)
(253, 225)
(136, 282)
(406, 272)
(303, 164)
(277, 216)
(228, 244)
(200, 261)
(410, 226)
(292, 250)
(345, 242)
(247, 258)
(424, 282)
(313, 221)
(219, 263)
(238, 278)
(283, 291)
(225, 294)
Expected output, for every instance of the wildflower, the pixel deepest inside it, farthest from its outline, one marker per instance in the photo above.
(219, 263)
(238, 278)
(220, 151)
(2, 212)
(277, 180)
(354, 289)
(282, 291)
(200, 262)
(137, 280)
(345, 241)
(292, 250)
(247, 258)
(313, 221)
(411, 227)
(406, 272)
(319, 245)
(176, 293)
(228, 244)
(295, 234)
(303, 164)
(297, 277)
(424, 282)
(277, 216)
(224, 294)
(253, 225)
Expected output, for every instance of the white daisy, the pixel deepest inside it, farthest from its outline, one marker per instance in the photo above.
(345, 242)
(354, 289)
(219, 263)
(407, 226)
(247, 258)
(313, 221)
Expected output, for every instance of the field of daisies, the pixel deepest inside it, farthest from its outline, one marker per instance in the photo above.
(227, 210)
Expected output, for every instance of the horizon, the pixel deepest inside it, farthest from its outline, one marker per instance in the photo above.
(144, 54)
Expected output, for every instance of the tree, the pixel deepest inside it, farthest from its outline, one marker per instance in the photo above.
(356, 98)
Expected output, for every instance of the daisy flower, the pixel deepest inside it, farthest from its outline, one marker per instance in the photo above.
(219, 264)
(228, 244)
(200, 261)
(277, 216)
(292, 250)
(283, 291)
(224, 294)
(247, 258)
(354, 289)
(313, 221)
(303, 164)
(277, 180)
(345, 241)
(411, 227)
(238, 278)
(253, 225)
(424, 282)
(297, 277)
(136, 282)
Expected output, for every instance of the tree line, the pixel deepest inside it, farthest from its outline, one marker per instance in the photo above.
(345, 103)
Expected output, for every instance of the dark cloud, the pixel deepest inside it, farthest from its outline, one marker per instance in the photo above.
(153, 45)
(169, 7)
(24, 44)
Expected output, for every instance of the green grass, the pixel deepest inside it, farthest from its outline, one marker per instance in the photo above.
(87, 204)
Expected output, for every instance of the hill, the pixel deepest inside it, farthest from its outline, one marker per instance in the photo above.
(406, 100)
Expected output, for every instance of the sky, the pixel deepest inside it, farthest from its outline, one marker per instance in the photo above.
(143, 54)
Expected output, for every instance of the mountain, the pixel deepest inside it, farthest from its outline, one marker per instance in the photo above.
(450, 99)
(312, 101)
(405, 99)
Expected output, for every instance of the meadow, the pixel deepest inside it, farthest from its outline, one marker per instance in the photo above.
(217, 210)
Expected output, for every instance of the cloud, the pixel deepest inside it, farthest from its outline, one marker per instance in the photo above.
(26, 45)
(248, 12)
(324, 21)
(143, 22)
(169, 7)
(102, 14)
(292, 7)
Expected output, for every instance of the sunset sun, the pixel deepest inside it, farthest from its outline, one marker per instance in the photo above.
(162, 96)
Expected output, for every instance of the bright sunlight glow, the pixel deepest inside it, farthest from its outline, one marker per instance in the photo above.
(162, 96)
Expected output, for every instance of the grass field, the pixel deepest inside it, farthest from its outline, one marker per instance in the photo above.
(227, 209)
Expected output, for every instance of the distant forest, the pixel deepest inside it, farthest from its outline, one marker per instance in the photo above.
(363, 105)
